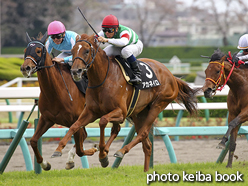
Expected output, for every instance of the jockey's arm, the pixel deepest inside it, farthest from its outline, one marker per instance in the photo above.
(243, 57)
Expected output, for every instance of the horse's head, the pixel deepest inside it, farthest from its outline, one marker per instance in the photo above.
(83, 53)
(215, 75)
(35, 55)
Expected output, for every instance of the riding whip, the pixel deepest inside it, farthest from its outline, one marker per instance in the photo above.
(63, 80)
(88, 22)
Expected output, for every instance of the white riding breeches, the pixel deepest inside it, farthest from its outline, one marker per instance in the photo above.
(126, 51)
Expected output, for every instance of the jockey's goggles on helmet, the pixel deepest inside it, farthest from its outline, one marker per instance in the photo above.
(109, 30)
(58, 36)
(245, 50)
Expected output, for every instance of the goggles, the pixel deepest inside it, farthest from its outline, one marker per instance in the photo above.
(109, 30)
(245, 50)
(58, 36)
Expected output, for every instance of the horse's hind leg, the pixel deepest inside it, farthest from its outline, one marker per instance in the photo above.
(147, 149)
(143, 123)
(43, 126)
(232, 146)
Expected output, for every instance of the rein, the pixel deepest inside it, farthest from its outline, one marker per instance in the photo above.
(87, 65)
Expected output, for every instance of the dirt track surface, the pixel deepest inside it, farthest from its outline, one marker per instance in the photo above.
(186, 151)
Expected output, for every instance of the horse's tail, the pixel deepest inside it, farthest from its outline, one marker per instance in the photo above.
(187, 95)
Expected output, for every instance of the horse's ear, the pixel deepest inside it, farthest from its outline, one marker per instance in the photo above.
(91, 39)
(43, 39)
(28, 38)
(223, 58)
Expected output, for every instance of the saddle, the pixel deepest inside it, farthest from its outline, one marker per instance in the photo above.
(149, 78)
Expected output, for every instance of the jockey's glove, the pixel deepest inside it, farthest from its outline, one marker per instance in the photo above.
(235, 59)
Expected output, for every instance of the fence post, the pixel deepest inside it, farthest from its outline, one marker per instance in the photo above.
(151, 137)
(13, 145)
(10, 113)
(179, 117)
(37, 166)
(128, 139)
(223, 153)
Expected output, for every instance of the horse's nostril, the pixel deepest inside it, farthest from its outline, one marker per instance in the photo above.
(28, 68)
(79, 71)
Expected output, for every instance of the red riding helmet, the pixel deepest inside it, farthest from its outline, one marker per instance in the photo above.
(110, 21)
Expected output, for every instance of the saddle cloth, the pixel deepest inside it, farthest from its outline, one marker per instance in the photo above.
(149, 79)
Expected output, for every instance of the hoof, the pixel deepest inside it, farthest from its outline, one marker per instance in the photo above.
(119, 154)
(221, 146)
(104, 161)
(69, 165)
(48, 167)
(56, 154)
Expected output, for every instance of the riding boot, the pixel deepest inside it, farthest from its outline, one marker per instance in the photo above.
(136, 79)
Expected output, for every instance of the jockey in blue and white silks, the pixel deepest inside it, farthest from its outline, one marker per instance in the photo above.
(61, 40)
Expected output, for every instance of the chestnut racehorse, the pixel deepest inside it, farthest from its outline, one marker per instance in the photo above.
(55, 104)
(108, 97)
(217, 73)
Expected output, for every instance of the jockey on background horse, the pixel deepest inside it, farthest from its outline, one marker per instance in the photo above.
(243, 54)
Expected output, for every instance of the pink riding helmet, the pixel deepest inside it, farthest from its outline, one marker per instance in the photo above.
(55, 27)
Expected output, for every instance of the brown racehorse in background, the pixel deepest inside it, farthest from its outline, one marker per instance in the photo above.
(54, 102)
(237, 102)
(108, 97)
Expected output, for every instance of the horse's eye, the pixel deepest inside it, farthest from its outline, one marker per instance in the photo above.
(218, 72)
(87, 51)
(38, 51)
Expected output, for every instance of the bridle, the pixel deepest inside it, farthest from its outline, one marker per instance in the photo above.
(38, 61)
(93, 55)
(217, 82)
(88, 64)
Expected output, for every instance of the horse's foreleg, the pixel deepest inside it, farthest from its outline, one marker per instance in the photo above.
(115, 116)
(70, 160)
(42, 127)
(143, 123)
(233, 124)
(232, 146)
(85, 118)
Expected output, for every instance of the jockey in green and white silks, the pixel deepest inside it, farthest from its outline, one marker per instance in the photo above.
(123, 41)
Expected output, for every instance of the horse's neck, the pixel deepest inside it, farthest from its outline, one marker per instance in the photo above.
(237, 78)
(98, 71)
(49, 79)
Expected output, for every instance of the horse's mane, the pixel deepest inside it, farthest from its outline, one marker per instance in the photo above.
(217, 55)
